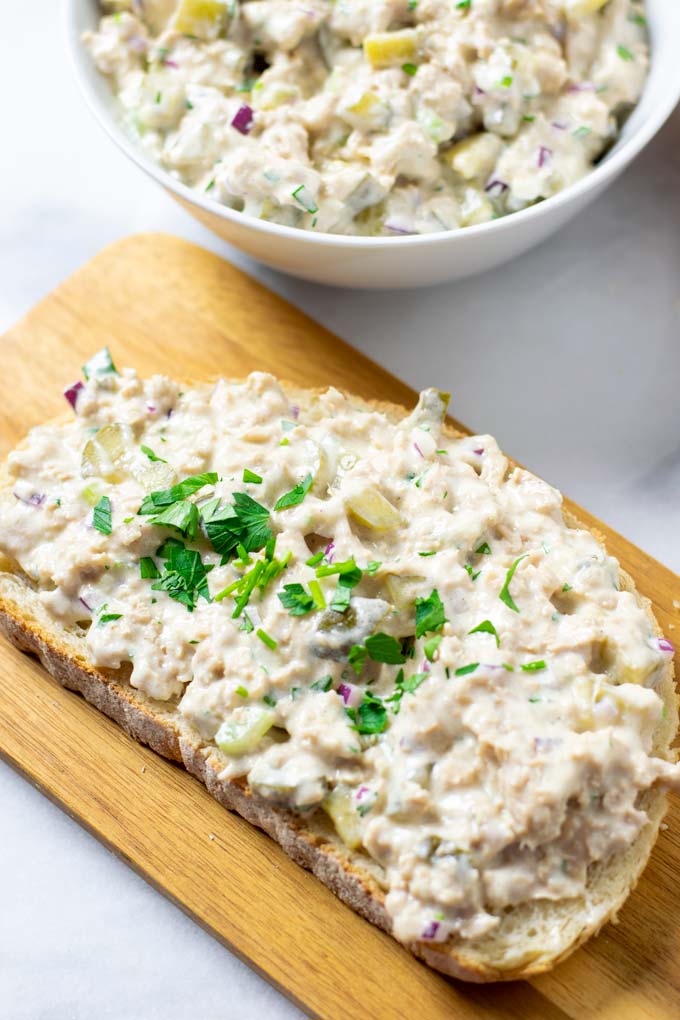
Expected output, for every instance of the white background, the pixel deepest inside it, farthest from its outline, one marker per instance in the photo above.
(571, 356)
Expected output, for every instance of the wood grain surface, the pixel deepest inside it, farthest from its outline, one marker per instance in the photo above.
(164, 305)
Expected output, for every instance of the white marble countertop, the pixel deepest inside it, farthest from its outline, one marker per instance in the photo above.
(571, 357)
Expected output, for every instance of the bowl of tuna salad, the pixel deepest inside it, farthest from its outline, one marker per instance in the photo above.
(380, 142)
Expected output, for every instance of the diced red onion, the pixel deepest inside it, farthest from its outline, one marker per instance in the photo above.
(35, 499)
(419, 451)
(479, 452)
(497, 186)
(243, 119)
(362, 791)
(584, 86)
(666, 646)
(72, 393)
(151, 408)
(560, 127)
(171, 63)
(430, 933)
(88, 607)
(425, 668)
(137, 44)
(295, 412)
(350, 694)
(394, 228)
(328, 551)
(544, 155)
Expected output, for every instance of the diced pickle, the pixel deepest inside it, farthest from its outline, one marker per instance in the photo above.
(336, 633)
(475, 156)
(389, 49)
(371, 508)
(404, 590)
(204, 19)
(340, 806)
(244, 730)
(582, 8)
(153, 474)
(106, 454)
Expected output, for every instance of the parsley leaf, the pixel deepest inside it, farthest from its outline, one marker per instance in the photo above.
(245, 523)
(296, 600)
(533, 667)
(383, 648)
(429, 614)
(296, 495)
(370, 717)
(486, 627)
(182, 516)
(101, 518)
(464, 670)
(431, 646)
(323, 684)
(107, 618)
(148, 569)
(505, 595)
(185, 577)
(357, 658)
(157, 501)
(250, 477)
(152, 456)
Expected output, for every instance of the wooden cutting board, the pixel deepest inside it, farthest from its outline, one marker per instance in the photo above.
(164, 305)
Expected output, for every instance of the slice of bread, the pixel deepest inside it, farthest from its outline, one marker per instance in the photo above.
(531, 937)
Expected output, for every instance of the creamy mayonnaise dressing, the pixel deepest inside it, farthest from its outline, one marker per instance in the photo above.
(382, 117)
(477, 712)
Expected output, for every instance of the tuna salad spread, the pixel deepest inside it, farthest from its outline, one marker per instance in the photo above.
(368, 616)
(374, 117)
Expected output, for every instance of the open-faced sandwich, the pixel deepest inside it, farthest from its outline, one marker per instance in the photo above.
(373, 637)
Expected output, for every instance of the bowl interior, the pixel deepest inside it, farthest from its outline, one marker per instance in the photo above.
(660, 96)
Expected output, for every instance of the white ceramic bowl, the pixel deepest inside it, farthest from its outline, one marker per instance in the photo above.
(398, 262)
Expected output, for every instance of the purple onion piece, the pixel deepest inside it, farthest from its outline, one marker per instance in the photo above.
(243, 119)
(171, 63)
(419, 451)
(394, 228)
(295, 412)
(73, 392)
(479, 452)
(350, 694)
(666, 646)
(496, 186)
(361, 792)
(430, 933)
(88, 607)
(328, 551)
(544, 156)
(35, 499)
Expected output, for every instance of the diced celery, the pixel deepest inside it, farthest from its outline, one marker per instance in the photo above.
(244, 730)
(341, 808)
(371, 508)
(389, 49)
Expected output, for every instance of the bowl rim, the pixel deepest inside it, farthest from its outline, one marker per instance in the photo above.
(605, 171)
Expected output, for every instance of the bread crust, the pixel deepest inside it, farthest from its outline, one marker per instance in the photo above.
(519, 950)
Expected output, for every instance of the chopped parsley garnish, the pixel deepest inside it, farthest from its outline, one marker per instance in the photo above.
(296, 495)
(251, 477)
(464, 670)
(504, 594)
(533, 667)
(474, 574)
(296, 600)
(370, 717)
(405, 685)
(268, 700)
(323, 684)
(151, 455)
(431, 646)
(384, 648)
(182, 516)
(430, 614)
(486, 627)
(624, 53)
(148, 569)
(155, 502)
(248, 626)
(185, 577)
(108, 618)
(100, 363)
(373, 567)
(357, 658)
(410, 69)
(101, 517)
(245, 523)
(433, 552)
(566, 587)
(483, 550)
(242, 692)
